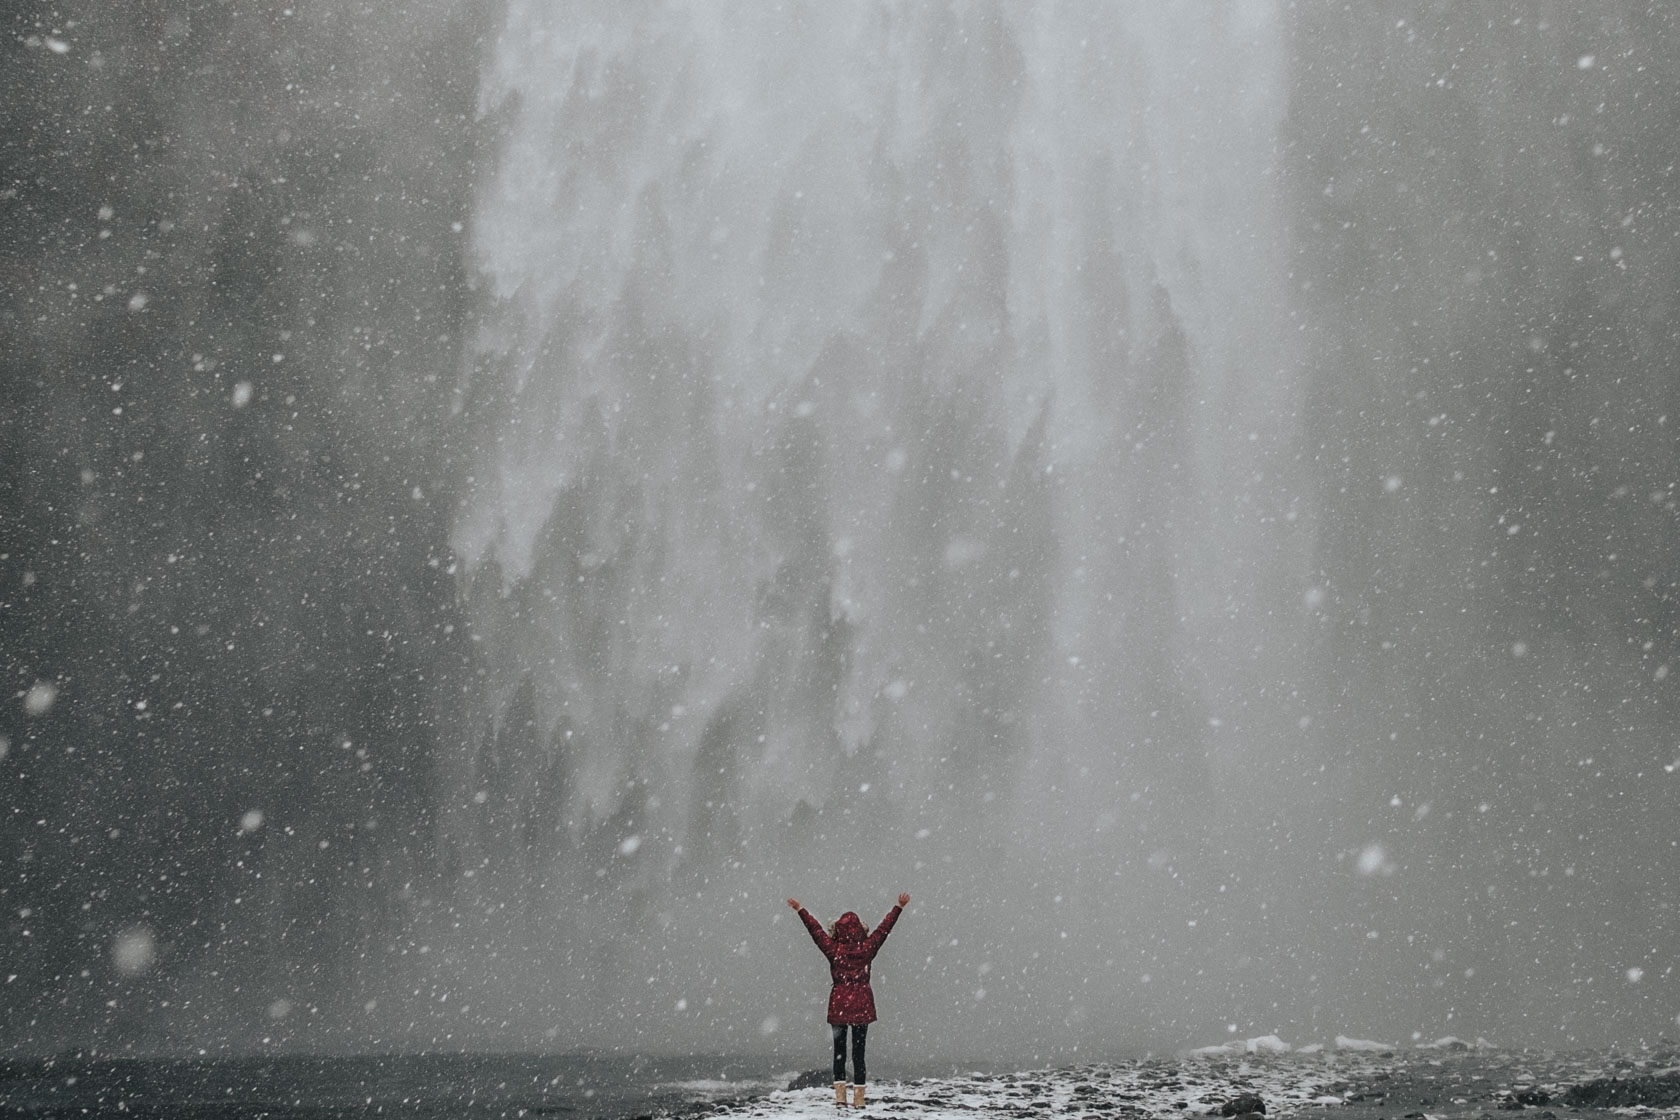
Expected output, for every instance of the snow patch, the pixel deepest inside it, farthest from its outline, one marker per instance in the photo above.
(1446, 1042)
(1268, 1044)
(1343, 1042)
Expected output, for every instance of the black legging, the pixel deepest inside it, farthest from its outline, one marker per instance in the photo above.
(860, 1032)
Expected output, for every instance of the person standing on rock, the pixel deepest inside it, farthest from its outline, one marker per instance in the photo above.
(850, 947)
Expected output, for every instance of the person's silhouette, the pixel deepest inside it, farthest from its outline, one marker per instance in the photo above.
(850, 947)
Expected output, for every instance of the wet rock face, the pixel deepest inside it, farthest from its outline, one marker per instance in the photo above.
(226, 285)
(1546, 312)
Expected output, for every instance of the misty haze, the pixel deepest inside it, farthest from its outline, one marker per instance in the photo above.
(496, 495)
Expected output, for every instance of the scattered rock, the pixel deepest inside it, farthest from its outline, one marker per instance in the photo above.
(1242, 1104)
(1661, 1091)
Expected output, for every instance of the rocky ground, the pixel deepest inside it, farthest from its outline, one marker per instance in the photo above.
(1355, 1084)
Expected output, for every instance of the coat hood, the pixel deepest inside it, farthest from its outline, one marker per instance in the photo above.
(850, 928)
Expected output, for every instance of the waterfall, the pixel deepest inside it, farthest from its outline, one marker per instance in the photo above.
(890, 483)
(493, 498)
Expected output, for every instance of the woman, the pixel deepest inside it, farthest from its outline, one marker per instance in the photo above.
(849, 947)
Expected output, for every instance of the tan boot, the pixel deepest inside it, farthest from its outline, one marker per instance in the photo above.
(840, 1088)
(857, 1096)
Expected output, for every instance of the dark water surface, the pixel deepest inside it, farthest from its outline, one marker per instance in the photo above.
(405, 1085)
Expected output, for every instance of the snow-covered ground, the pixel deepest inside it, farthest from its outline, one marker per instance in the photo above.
(1353, 1079)
(1164, 1087)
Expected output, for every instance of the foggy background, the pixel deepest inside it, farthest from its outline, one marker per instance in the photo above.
(495, 497)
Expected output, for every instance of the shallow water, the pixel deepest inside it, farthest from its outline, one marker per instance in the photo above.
(400, 1086)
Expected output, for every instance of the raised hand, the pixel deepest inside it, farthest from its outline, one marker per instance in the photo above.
(904, 900)
(793, 904)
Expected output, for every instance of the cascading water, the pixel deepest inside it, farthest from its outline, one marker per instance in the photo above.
(886, 490)
(1186, 490)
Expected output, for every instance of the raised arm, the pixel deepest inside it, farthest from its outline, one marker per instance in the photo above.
(879, 933)
(825, 943)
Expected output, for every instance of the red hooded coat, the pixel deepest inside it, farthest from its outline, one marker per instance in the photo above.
(849, 952)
